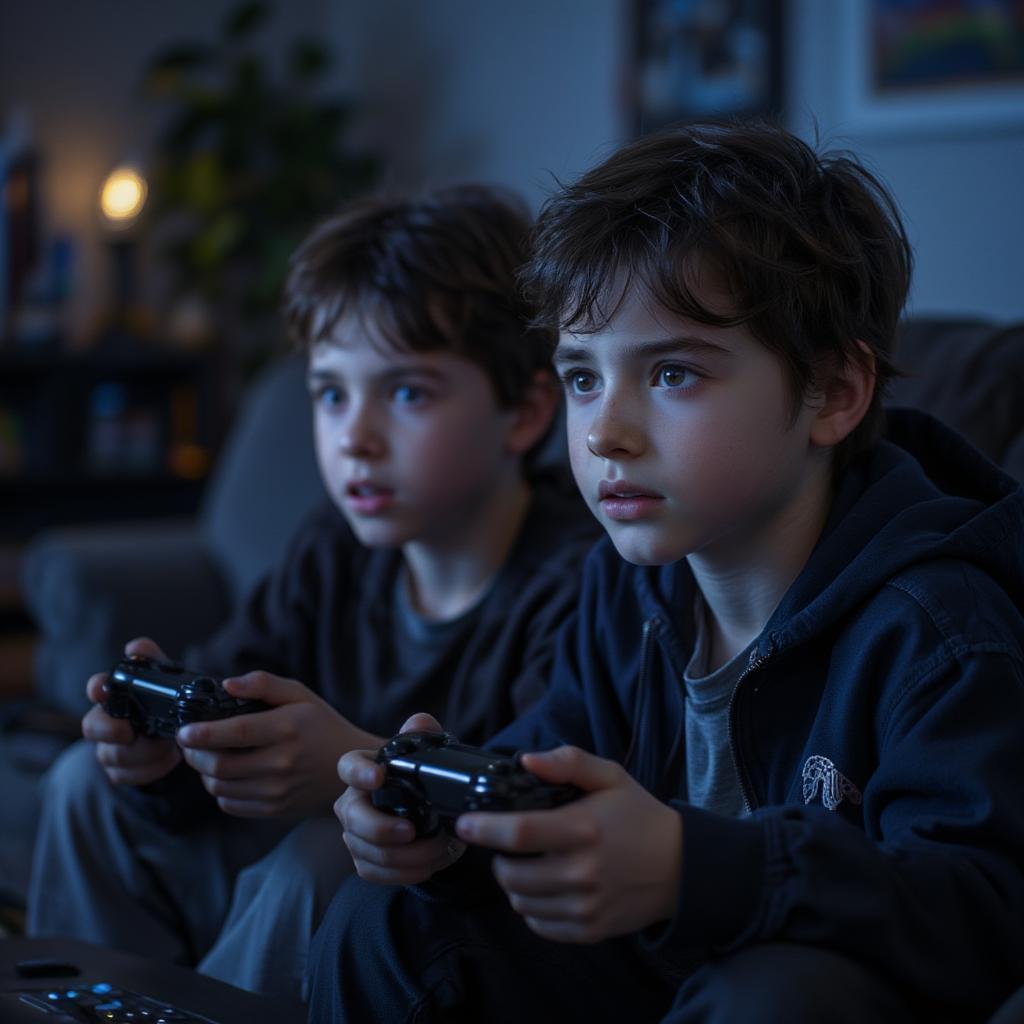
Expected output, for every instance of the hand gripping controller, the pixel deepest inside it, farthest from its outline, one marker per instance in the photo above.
(431, 779)
(159, 698)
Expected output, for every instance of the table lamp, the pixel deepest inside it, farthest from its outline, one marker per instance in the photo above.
(122, 198)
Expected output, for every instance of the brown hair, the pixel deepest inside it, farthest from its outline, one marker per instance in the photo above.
(810, 247)
(432, 271)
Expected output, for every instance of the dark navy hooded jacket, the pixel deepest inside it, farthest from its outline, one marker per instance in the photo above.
(878, 730)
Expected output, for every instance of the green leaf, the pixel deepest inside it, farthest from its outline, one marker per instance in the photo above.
(197, 119)
(266, 285)
(308, 59)
(212, 246)
(248, 78)
(203, 184)
(168, 73)
(244, 19)
(181, 57)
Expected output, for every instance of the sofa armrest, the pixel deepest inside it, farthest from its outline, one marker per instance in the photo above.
(90, 590)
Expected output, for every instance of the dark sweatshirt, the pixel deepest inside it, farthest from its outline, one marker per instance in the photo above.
(326, 618)
(877, 731)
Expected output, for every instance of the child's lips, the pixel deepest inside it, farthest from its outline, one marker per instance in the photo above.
(367, 498)
(624, 489)
(624, 502)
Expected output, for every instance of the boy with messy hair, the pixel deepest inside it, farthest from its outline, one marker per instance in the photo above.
(793, 694)
(435, 576)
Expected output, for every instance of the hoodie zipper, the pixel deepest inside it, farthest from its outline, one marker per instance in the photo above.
(755, 662)
(649, 632)
(647, 635)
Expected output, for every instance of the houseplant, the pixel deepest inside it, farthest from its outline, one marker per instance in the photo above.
(248, 161)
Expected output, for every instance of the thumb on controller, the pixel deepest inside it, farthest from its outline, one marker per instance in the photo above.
(421, 722)
(143, 645)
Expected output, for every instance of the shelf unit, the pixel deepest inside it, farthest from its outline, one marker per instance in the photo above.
(96, 435)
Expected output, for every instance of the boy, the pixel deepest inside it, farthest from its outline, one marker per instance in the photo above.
(440, 584)
(794, 703)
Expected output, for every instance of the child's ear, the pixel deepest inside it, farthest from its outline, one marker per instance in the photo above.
(533, 414)
(845, 399)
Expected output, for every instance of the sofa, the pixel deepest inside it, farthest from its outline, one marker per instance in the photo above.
(91, 588)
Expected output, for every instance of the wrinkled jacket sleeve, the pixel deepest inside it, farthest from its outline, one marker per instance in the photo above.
(273, 631)
(932, 893)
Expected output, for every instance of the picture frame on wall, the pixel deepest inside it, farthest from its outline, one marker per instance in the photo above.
(697, 60)
(933, 65)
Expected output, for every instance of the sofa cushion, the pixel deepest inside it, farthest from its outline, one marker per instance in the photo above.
(969, 374)
(266, 479)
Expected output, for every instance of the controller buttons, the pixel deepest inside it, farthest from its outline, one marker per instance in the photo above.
(402, 745)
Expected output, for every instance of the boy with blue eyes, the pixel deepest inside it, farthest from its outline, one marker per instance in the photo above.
(793, 694)
(435, 576)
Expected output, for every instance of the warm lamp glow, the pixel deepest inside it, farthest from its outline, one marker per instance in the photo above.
(123, 195)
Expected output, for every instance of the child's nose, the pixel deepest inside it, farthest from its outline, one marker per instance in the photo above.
(613, 434)
(360, 435)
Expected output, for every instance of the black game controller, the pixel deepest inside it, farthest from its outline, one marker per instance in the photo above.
(159, 698)
(432, 778)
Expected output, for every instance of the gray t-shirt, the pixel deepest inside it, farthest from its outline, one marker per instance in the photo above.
(415, 638)
(711, 778)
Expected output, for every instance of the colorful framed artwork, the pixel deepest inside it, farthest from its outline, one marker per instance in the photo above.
(944, 65)
(701, 59)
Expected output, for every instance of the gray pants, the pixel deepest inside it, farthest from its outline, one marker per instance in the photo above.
(438, 954)
(237, 898)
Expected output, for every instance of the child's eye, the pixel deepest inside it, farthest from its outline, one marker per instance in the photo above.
(579, 382)
(408, 394)
(675, 377)
(328, 396)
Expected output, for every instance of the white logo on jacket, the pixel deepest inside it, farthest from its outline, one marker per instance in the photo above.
(820, 773)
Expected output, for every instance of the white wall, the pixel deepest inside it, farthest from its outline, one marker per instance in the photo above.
(513, 92)
(961, 187)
